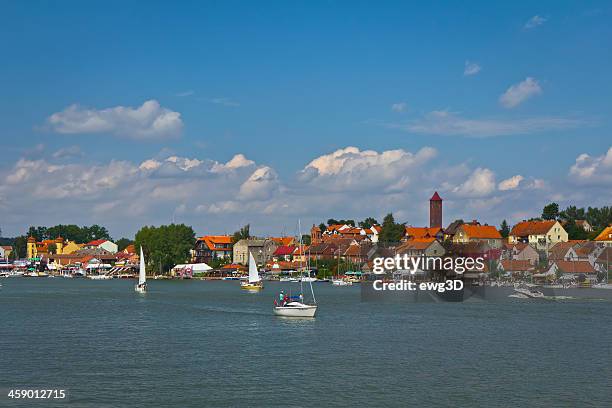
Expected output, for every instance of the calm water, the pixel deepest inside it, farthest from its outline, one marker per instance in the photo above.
(196, 343)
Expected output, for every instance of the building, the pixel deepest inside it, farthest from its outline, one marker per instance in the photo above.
(542, 235)
(584, 224)
(211, 247)
(521, 252)
(449, 232)
(414, 248)
(262, 250)
(103, 244)
(347, 231)
(517, 268)
(605, 237)
(284, 253)
(474, 232)
(573, 270)
(6, 251)
(435, 211)
(424, 233)
(316, 235)
(284, 240)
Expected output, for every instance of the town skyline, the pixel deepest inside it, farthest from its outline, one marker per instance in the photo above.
(205, 116)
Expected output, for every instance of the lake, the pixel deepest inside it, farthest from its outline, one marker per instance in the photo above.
(207, 343)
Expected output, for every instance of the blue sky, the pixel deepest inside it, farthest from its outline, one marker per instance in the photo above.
(513, 89)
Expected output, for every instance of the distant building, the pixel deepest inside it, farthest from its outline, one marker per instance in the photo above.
(478, 233)
(103, 244)
(584, 224)
(421, 248)
(211, 247)
(521, 252)
(316, 235)
(262, 250)
(423, 233)
(540, 234)
(573, 270)
(435, 211)
(605, 237)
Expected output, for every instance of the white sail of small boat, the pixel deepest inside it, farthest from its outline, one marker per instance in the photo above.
(141, 286)
(254, 281)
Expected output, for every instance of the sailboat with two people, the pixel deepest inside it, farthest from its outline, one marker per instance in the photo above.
(254, 281)
(296, 306)
(141, 286)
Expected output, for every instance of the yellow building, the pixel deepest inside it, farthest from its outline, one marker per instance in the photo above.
(541, 235)
(37, 249)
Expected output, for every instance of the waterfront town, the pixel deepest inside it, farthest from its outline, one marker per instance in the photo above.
(536, 251)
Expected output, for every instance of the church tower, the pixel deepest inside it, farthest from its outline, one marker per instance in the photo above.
(59, 245)
(435, 211)
(315, 234)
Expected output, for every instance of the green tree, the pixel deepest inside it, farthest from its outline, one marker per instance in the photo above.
(20, 246)
(166, 245)
(504, 229)
(306, 239)
(391, 232)
(550, 211)
(242, 233)
(52, 248)
(368, 222)
(322, 227)
(574, 231)
(123, 243)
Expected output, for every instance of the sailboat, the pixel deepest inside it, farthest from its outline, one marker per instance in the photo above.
(141, 286)
(295, 306)
(254, 282)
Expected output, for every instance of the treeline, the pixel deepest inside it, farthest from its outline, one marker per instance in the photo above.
(70, 232)
(165, 246)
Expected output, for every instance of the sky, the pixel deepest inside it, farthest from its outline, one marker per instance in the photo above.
(218, 114)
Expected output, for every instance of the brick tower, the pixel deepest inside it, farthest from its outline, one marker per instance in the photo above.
(435, 211)
(315, 234)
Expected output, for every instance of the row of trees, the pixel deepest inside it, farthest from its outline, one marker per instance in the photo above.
(70, 232)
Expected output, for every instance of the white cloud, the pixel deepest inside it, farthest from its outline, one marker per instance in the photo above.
(68, 152)
(445, 123)
(471, 68)
(236, 162)
(511, 183)
(534, 21)
(519, 93)
(399, 107)
(262, 184)
(592, 170)
(148, 121)
(351, 168)
(479, 184)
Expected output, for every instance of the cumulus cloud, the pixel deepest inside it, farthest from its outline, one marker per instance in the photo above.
(148, 121)
(236, 162)
(592, 170)
(471, 68)
(534, 22)
(399, 107)
(446, 123)
(351, 168)
(260, 185)
(519, 93)
(479, 184)
(511, 183)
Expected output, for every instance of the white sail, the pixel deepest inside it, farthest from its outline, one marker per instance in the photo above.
(141, 275)
(253, 274)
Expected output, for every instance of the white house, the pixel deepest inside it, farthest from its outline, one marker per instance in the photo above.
(103, 244)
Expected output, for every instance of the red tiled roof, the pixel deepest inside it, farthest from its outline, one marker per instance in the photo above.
(575, 267)
(284, 250)
(422, 232)
(517, 265)
(481, 231)
(526, 228)
(606, 234)
(96, 242)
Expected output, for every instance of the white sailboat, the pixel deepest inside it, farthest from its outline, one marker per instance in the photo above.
(254, 281)
(141, 286)
(296, 306)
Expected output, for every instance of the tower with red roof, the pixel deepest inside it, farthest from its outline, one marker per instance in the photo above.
(435, 211)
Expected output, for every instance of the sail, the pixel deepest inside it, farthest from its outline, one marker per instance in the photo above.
(253, 274)
(141, 275)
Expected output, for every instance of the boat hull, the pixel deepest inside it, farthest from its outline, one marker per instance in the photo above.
(251, 286)
(296, 311)
(140, 289)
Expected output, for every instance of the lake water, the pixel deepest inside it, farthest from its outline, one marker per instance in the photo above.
(205, 343)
